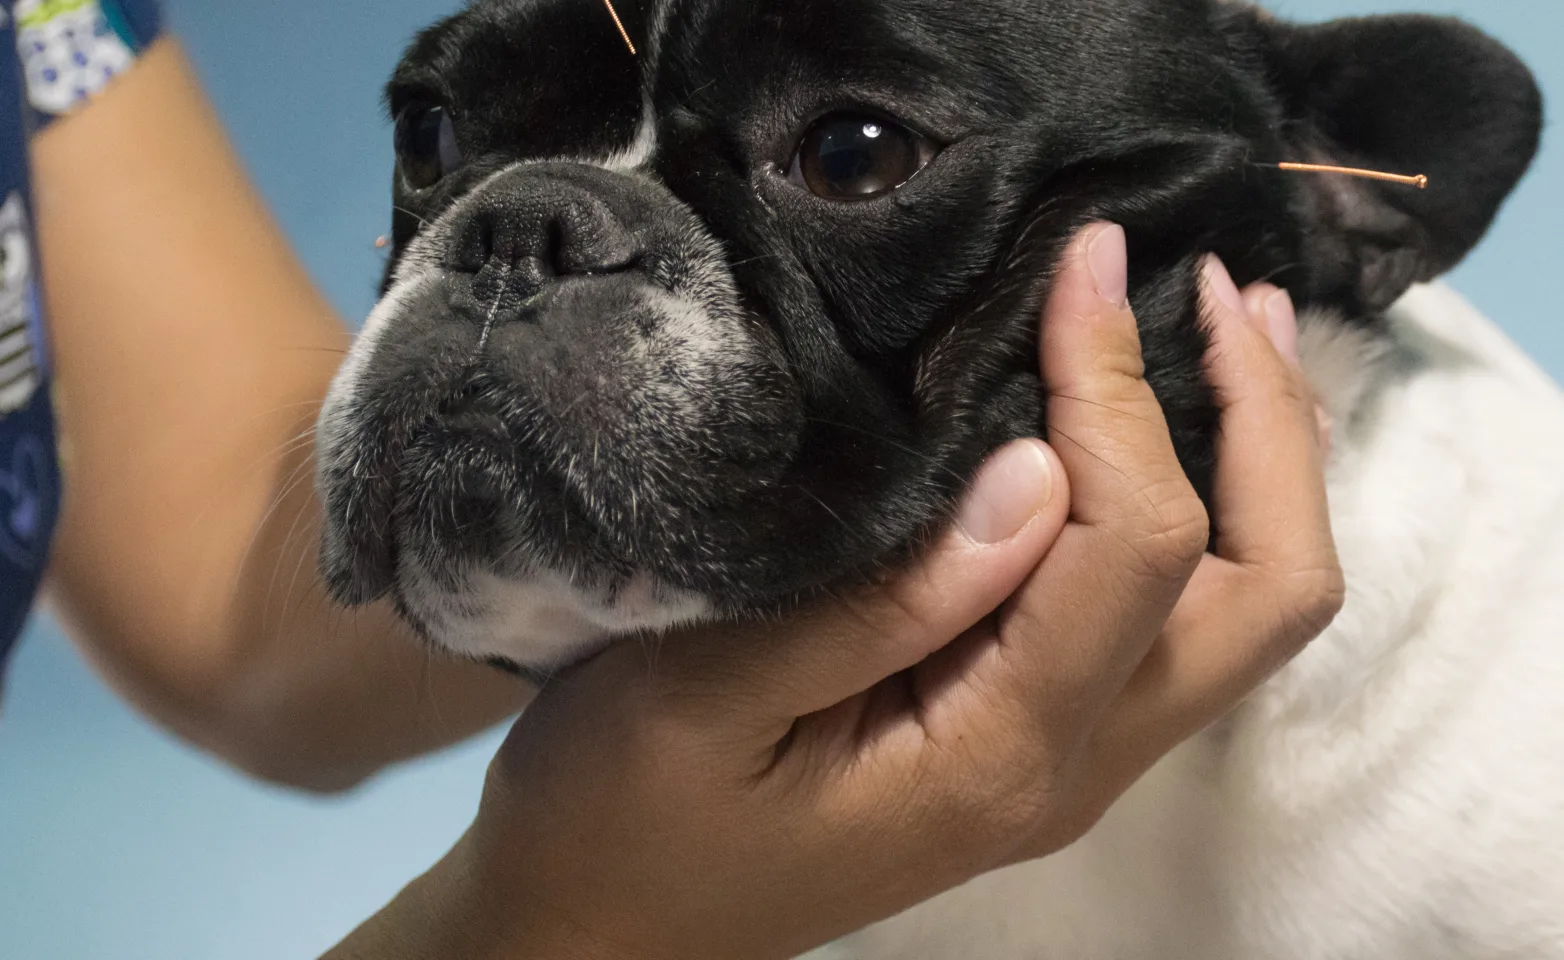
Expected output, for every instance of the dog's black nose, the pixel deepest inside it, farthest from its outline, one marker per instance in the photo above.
(533, 227)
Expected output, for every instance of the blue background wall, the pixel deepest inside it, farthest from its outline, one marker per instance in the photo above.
(116, 842)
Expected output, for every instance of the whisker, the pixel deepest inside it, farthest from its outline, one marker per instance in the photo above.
(755, 259)
(826, 507)
(1105, 462)
(290, 483)
(314, 587)
(422, 221)
(1104, 406)
(287, 542)
(892, 442)
(279, 453)
(335, 351)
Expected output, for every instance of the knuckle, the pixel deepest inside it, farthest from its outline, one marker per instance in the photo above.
(1320, 593)
(1000, 797)
(1024, 624)
(887, 612)
(1308, 600)
(1176, 535)
(1073, 827)
(1122, 368)
(1115, 390)
(1003, 818)
(1022, 815)
(1297, 391)
(1038, 804)
(1023, 795)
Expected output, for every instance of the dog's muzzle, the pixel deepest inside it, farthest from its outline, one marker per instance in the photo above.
(555, 398)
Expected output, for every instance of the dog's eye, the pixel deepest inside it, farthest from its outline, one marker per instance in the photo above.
(848, 156)
(426, 147)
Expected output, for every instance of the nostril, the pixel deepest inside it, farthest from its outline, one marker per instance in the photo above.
(602, 258)
(548, 232)
(473, 246)
(586, 238)
(558, 249)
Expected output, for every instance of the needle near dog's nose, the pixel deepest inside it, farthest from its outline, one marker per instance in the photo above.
(621, 25)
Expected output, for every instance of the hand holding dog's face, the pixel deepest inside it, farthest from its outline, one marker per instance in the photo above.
(700, 332)
(788, 792)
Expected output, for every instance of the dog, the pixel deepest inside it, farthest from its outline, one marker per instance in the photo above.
(701, 331)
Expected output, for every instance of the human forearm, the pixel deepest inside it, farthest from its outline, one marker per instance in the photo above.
(192, 353)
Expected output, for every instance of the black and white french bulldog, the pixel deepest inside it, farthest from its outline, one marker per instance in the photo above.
(697, 332)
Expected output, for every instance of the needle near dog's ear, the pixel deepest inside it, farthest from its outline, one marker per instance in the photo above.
(1419, 180)
(621, 25)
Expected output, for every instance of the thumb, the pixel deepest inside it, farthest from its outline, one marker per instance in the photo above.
(839, 648)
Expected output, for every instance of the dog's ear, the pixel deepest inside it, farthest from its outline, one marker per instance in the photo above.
(1405, 94)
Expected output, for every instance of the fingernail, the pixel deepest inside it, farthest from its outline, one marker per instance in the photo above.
(1219, 283)
(1281, 325)
(1108, 258)
(1010, 491)
(1255, 296)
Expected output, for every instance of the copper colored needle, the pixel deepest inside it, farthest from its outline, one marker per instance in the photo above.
(1419, 180)
(620, 24)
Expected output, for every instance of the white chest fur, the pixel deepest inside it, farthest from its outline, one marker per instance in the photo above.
(1398, 792)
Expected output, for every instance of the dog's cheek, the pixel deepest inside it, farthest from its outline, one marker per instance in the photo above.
(1018, 410)
(1173, 345)
(890, 268)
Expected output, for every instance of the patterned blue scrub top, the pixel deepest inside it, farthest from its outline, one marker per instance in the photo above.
(55, 56)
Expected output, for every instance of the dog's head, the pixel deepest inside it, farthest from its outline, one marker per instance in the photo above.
(698, 331)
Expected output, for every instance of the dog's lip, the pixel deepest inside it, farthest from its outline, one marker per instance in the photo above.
(470, 406)
(483, 423)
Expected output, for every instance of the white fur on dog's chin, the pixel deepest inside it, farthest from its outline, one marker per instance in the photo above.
(543, 620)
(1397, 793)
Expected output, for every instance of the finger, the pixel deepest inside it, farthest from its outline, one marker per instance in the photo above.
(1278, 582)
(835, 650)
(1254, 298)
(1086, 617)
(1259, 304)
(1269, 482)
(1102, 415)
(1231, 632)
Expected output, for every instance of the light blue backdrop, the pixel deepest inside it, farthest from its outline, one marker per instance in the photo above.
(116, 842)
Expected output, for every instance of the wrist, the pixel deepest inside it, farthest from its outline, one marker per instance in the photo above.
(435, 916)
(455, 911)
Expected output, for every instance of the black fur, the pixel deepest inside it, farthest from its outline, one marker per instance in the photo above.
(896, 342)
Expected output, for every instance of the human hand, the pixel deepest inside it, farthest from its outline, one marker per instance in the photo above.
(761, 789)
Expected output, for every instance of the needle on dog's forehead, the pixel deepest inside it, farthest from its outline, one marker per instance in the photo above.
(621, 25)
(1416, 180)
